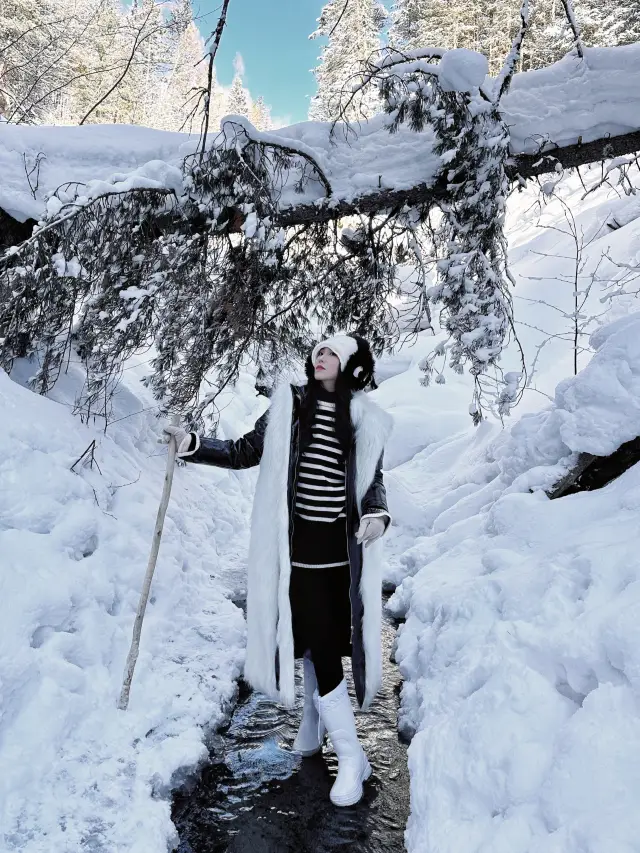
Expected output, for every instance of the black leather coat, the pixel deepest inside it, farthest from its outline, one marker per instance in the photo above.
(246, 452)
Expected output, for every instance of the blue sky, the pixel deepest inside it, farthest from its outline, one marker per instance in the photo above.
(272, 36)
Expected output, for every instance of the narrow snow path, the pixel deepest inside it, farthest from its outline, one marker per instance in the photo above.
(257, 796)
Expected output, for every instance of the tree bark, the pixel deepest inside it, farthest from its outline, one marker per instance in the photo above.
(562, 486)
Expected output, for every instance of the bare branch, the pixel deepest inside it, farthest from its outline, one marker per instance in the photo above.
(503, 80)
(213, 50)
(577, 40)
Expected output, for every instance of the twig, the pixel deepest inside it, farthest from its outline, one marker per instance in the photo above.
(503, 80)
(123, 485)
(40, 156)
(90, 451)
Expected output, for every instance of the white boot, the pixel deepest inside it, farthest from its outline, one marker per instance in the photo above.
(311, 732)
(353, 767)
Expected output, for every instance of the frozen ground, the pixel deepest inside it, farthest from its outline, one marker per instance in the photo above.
(569, 100)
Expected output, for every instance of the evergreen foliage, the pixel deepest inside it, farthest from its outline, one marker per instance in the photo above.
(97, 61)
(472, 279)
(205, 274)
(353, 31)
(238, 102)
(490, 26)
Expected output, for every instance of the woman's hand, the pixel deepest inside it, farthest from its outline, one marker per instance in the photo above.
(184, 439)
(370, 529)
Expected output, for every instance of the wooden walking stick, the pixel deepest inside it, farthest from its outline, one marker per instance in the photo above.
(153, 556)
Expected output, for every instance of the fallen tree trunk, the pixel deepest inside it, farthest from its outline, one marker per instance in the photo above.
(594, 472)
(521, 166)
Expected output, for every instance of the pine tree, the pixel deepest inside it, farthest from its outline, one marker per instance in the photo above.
(260, 114)
(101, 47)
(609, 22)
(238, 99)
(139, 93)
(187, 74)
(423, 23)
(33, 59)
(487, 27)
(353, 32)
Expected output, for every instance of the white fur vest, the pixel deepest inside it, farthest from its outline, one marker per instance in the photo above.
(269, 625)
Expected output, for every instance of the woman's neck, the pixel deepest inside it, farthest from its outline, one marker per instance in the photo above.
(328, 385)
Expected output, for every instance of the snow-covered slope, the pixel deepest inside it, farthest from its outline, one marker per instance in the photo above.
(520, 651)
(77, 774)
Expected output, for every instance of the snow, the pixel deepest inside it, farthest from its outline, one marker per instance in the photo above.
(520, 649)
(77, 773)
(520, 652)
(571, 100)
(575, 98)
(462, 70)
(82, 154)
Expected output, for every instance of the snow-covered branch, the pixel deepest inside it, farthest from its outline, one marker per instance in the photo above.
(575, 29)
(503, 80)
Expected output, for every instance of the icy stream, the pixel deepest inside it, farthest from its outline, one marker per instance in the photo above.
(257, 796)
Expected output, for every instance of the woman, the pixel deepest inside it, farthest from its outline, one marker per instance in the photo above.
(313, 591)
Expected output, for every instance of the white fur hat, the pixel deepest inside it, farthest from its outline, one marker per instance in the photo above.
(343, 346)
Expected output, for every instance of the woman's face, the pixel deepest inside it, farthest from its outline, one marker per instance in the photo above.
(327, 366)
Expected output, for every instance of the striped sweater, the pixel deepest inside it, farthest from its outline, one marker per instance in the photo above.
(321, 488)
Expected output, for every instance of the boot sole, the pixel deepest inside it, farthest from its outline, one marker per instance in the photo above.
(356, 796)
(307, 753)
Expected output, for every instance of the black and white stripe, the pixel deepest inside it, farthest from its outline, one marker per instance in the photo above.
(321, 489)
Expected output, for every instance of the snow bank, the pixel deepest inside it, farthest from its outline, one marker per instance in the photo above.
(70, 154)
(574, 98)
(521, 647)
(568, 100)
(77, 774)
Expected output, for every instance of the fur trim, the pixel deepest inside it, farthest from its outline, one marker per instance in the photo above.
(269, 532)
(269, 626)
(372, 429)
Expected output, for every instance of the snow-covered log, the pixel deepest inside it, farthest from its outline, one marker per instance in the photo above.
(578, 111)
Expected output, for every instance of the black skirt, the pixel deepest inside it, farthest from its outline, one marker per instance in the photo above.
(320, 603)
(319, 545)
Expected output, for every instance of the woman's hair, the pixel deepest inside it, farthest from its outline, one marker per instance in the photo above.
(308, 404)
(357, 374)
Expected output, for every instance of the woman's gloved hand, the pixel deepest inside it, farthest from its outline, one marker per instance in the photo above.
(184, 439)
(370, 529)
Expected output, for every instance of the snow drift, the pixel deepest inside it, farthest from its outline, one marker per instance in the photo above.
(77, 774)
(521, 647)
